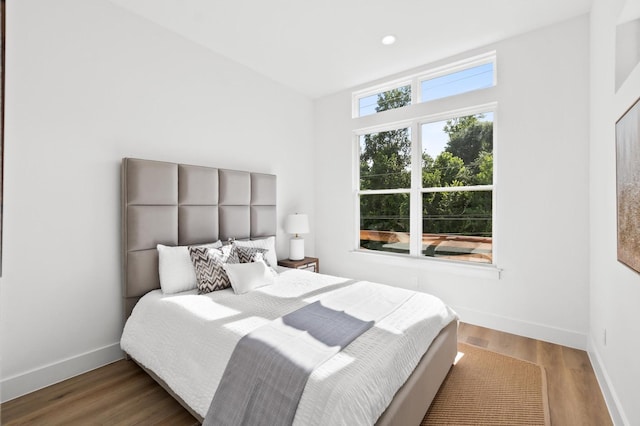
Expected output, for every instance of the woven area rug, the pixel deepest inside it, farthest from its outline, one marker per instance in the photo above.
(487, 388)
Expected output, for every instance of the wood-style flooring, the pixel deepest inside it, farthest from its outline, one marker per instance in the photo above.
(122, 394)
(574, 394)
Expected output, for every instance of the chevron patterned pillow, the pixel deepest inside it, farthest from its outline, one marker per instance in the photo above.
(268, 243)
(208, 262)
(250, 254)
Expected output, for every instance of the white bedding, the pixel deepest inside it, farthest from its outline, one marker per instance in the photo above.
(187, 339)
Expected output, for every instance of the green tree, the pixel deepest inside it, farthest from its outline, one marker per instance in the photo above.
(394, 98)
(385, 160)
(431, 177)
(468, 137)
(483, 165)
(451, 168)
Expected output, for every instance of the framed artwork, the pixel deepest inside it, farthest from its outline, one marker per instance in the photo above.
(628, 186)
(2, 44)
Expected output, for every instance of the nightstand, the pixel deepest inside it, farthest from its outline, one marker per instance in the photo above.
(308, 263)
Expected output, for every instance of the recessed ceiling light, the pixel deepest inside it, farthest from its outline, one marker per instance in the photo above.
(388, 39)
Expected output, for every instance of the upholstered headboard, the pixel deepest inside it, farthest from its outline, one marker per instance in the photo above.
(177, 204)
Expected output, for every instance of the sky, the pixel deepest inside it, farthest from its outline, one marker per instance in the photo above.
(434, 138)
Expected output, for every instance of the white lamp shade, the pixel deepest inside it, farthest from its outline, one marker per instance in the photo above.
(296, 224)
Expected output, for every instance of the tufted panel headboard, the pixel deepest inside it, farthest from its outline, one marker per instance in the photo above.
(177, 204)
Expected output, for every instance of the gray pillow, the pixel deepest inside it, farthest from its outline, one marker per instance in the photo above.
(251, 254)
(208, 262)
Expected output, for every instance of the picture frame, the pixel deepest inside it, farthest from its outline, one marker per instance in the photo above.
(628, 187)
(2, 108)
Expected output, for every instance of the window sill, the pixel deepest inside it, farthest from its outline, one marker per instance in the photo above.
(431, 264)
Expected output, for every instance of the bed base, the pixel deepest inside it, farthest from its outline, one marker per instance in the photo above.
(166, 387)
(411, 402)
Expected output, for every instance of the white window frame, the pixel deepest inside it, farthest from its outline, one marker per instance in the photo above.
(415, 80)
(416, 190)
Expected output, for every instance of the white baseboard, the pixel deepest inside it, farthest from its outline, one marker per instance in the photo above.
(608, 391)
(24, 383)
(533, 330)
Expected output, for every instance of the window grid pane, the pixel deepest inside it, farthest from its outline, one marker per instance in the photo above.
(457, 181)
(458, 151)
(458, 225)
(474, 78)
(384, 222)
(385, 160)
(383, 101)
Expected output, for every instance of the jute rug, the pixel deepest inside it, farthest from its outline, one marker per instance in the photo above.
(487, 388)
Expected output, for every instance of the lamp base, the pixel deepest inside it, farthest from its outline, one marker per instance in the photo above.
(296, 248)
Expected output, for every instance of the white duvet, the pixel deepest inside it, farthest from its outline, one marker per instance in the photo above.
(187, 339)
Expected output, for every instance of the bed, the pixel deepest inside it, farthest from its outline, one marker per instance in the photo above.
(178, 205)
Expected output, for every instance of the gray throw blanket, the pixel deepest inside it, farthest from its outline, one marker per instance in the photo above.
(269, 367)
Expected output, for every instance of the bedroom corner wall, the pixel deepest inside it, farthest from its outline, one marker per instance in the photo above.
(87, 84)
(615, 288)
(542, 194)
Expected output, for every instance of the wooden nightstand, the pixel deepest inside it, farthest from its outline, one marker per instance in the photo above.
(308, 263)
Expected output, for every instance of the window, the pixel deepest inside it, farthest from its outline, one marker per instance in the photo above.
(467, 80)
(462, 77)
(385, 187)
(457, 188)
(395, 98)
(426, 185)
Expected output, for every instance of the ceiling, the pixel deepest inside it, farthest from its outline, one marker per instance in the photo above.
(325, 46)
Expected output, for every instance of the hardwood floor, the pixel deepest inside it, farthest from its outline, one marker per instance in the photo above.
(122, 394)
(117, 394)
(574, 394)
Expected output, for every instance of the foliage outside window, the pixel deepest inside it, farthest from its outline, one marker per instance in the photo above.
(395, 98)
(448, 192)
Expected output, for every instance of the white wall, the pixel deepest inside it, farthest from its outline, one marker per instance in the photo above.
(542, 193)
(87, 84)
(615, 289)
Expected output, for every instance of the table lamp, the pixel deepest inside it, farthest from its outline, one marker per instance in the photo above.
(296, 224)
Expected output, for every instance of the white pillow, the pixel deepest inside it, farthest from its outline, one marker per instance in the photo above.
(266, 243)
(175, 268)
(245, 277)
